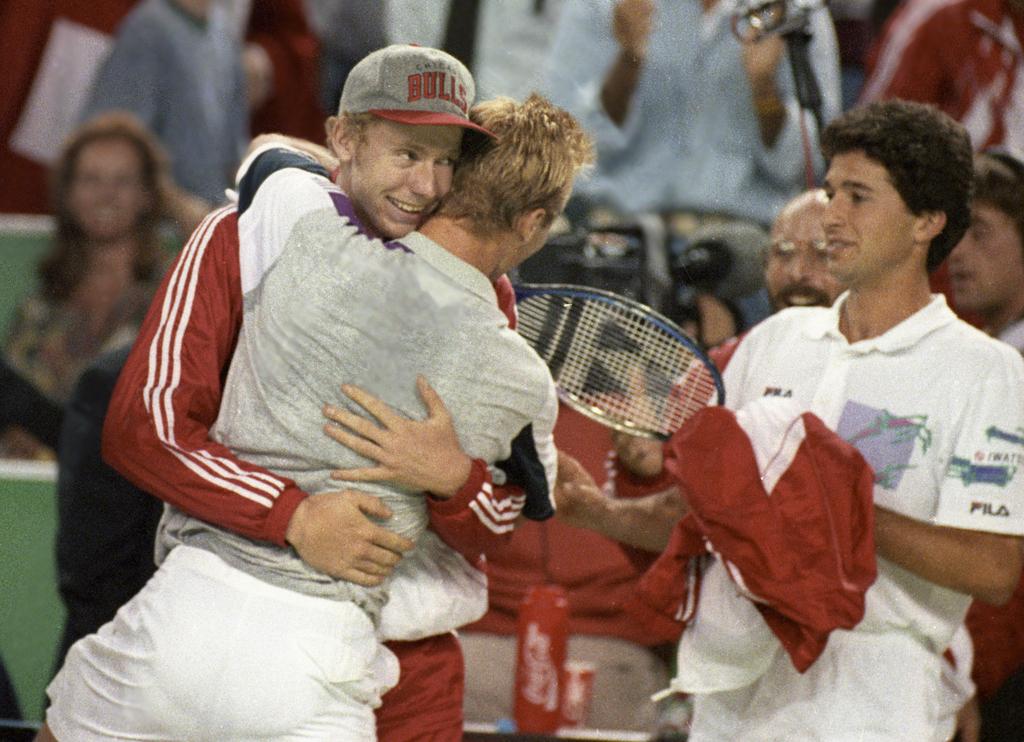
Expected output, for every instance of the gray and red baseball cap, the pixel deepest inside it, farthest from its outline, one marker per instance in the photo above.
(411, 84)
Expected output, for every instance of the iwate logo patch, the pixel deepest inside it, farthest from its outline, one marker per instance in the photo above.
(884, 439)
(993, 465)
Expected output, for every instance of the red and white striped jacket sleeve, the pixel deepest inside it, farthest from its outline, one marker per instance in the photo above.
(157, 430)
(909, 58)
(481, 516)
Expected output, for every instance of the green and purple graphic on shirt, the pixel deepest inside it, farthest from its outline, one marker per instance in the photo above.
(885, 440)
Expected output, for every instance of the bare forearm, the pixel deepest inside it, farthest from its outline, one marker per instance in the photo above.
(619, 86)
(985, 566)
(761, 63)
(643, 522)
(769, 109)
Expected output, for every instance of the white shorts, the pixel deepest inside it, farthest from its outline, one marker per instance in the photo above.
(206, 652)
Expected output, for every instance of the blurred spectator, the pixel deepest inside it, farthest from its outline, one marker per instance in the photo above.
(598, 578)
(796, 270)
(686, 117)
(105, 525)
(97, 281)
(51, 52)
(791, 271)
(796, 264)
(986, 268)
(855, 33)
(281, 60)
(509, 43)
(348, 30)
(987, 273)
(962, 56)
(177, 65)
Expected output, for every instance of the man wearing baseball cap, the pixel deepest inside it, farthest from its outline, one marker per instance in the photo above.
(424, 89)
(396, 138)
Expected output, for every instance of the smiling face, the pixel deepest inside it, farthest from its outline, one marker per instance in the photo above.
(106, 196)
(871, 235)
(796, 267)
(986, 268)
(395, 173)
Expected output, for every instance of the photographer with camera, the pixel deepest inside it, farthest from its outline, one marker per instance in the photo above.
(688, 118)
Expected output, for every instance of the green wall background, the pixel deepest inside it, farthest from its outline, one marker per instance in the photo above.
(31, 614)
(19, 254)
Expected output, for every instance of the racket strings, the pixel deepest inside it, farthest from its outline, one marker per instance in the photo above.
(617, 362)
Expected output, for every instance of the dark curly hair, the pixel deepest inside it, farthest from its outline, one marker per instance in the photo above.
(926, 153)
(999, 182)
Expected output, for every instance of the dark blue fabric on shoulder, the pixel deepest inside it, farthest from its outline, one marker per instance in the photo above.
(524, 469)
(267, 164)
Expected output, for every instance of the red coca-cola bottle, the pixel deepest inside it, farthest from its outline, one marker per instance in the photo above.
(542, 635)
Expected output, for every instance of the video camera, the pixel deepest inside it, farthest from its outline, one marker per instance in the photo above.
(612, 258)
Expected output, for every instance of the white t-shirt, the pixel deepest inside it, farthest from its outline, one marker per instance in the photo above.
(934, 405)
(937, 408)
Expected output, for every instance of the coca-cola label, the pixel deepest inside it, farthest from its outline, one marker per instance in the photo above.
(574, 703)
(577, 690)
(540, 681)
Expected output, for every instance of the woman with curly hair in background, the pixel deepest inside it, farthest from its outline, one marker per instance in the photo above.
(110, 190)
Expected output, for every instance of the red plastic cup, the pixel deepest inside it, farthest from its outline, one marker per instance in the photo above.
(577, 693)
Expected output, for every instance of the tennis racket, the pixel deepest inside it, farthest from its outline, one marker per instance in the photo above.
(616, 360)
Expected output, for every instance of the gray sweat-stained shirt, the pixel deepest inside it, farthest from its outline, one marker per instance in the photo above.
(324, 304)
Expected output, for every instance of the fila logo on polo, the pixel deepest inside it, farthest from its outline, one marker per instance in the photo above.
(987, 508)
(441, 85)
(774, 391)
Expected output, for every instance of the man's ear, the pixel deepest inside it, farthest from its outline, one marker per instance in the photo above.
(339, 139)
(928, 225)
(527, 223)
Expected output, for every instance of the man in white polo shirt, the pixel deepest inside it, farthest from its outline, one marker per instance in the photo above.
(936, 408)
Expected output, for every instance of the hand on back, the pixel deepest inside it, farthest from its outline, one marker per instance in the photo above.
(423, 455)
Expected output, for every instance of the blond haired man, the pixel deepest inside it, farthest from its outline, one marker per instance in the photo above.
(375, 314)
(168, 397)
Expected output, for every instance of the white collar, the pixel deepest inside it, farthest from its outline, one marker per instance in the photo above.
(455, 268)
(935, 314)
